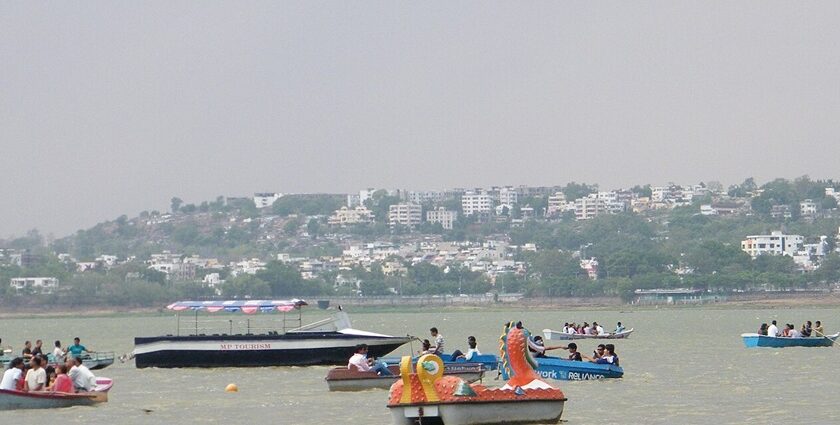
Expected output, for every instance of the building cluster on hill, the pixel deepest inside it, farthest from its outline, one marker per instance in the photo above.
(389, 232)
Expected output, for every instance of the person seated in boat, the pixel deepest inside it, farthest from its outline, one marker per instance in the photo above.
(472, 352)
(566, 327)
(599, 351)
(77, 349)
(359, 361)
(818, 329)
(609, 356)
(537, 346)
(762, 330)
(574, 354)
(773, 330)
(51, 375)
(26, 353)
(806, 329)
(38, 350)
(597, 329)
(619, 328)
(438, 347)
(58, 353)
(13, 376)
(36, 376)
(426, 347)
(586, 328)
(792, 332)
(62, 382)
(83, 379)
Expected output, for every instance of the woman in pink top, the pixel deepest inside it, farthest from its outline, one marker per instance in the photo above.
(63, 383)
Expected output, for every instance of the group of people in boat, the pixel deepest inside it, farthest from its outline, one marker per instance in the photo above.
(603, 353)
(587, 329)
(789, 330)
(36, 370)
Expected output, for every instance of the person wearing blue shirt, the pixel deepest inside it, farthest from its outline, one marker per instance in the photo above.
(77, 348)
(619, 328)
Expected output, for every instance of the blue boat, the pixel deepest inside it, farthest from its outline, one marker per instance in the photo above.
(756, 340)
(570, 370)
(490, 361)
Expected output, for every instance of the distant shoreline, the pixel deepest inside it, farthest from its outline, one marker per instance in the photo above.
(751, 301)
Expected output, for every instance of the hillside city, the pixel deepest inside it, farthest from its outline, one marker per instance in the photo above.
(644, 244)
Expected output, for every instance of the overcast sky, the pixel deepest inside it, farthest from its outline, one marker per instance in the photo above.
(114, 107)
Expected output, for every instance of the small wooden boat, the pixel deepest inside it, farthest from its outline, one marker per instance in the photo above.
(561, 336)
(13, 400)
(756, 340)
(344, 379)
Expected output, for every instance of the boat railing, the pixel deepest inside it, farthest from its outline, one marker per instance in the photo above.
(203, 325)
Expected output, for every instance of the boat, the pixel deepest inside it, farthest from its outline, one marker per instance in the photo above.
(489, 361)
(14, 400)
(571, 370)
(344, 379)
(756, 340)
(327, 342)
(424, 395)
(562, 336)
(93, 361)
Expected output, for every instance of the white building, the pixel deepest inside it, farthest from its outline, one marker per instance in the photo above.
(808, 208)
(347, 216)
(556, 204)
(442, 216)
(37, 285)
(476, 203)
(508, 196)
(776, 243)
(408, 215)
(590, 207)
(708, 209)
(422, 197)
(262, 200)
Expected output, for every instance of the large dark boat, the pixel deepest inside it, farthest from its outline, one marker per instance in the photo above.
(327, 342)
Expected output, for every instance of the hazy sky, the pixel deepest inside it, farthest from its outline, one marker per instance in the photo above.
(113, 107)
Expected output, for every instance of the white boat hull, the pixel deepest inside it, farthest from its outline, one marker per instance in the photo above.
(561, 336)
(482, 413)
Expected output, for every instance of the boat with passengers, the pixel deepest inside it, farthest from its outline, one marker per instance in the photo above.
(285, 342)
(14, 399)
(755, 340)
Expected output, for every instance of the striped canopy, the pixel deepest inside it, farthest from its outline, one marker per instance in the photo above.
(244, 306)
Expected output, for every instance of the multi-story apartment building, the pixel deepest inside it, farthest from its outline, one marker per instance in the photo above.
(441, 215)
(508, 196)
(350, 216)
(776, 243)
(408, 215)
(476, 203)
(590, 207)
(808, 208)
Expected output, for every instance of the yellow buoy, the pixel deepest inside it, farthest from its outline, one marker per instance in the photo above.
(231, 388)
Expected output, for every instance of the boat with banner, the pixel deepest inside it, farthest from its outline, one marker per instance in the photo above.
(756, 340)
(344, 379)
(571, 370)
(562, 336)
(14, 400)
(326, 342)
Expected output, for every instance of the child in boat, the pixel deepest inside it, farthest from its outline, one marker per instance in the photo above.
(62, 383)
(427, 348)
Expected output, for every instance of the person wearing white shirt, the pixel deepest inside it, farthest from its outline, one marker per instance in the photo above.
(438, 347)
(83, 378)
(773, 330)
(598, 330)
(36, 376)
(360, 362)
(58, 353)
(12, 375)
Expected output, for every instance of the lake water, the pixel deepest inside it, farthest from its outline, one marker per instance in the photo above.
(684, 366)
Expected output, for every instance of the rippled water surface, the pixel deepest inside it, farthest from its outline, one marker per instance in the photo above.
(681, 366)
